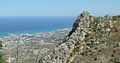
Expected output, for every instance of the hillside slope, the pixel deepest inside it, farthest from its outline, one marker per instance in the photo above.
(91, 40)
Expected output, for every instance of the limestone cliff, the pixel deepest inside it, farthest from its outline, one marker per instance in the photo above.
(87, 32)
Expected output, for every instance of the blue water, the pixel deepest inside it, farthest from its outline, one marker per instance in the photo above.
(34, 24)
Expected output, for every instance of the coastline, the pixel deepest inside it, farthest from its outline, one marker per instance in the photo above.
(4, 34)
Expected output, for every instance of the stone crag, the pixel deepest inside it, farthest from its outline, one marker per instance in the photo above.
(87, 32)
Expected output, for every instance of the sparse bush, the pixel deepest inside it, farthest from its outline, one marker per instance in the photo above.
(114, 51)
(56, 57)
(87, 48)
(91, 54)
(76, 49)
(112, 55)
(87, 35)
(102, 41)
(96, 48)
(116, 30)
(114, 19)
(99, 50)
(100, 36)
(90, 45)
(71, 54)
(77, 43)
(95, 59)
(81, 30)
(84, 53)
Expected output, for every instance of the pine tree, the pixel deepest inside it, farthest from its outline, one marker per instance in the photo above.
(2, 60)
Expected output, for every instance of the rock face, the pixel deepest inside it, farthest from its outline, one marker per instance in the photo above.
(87, 31)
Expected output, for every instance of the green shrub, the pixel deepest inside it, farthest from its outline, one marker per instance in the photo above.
(116, 30)
(115, 60)
(0, 44)
(84, 53)
(87, 35)
(87, 48)
(112, 55)
(71, 54)
(96, 48)
(90, 45)
(99, 50)
(100, 36)
(103, 41)
(77, 43)
(56, 57)
(81, 30)
(76, 49)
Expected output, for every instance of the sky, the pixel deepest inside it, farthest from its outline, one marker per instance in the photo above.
(58, 7)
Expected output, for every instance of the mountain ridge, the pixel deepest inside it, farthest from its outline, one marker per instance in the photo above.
(87, 31)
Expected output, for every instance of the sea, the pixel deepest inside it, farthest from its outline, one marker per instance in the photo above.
(34, 24)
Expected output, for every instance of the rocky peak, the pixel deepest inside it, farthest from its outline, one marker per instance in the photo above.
(83, 19)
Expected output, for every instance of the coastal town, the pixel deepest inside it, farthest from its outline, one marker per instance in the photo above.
(32, 47)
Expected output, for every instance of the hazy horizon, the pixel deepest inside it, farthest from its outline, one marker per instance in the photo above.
(58, 8)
